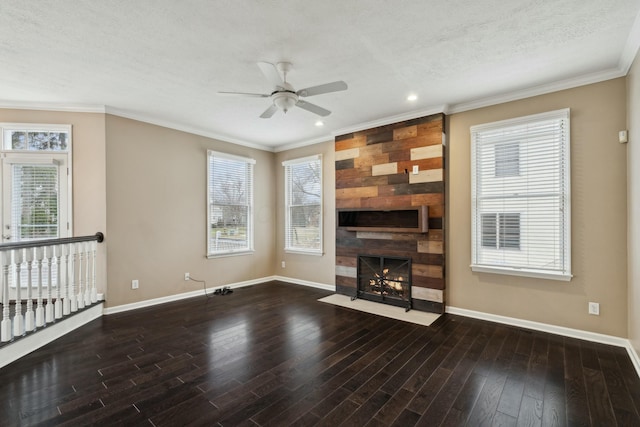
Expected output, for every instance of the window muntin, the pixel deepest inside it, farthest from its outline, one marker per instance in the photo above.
(36, 137)
(303, 205)
(526, 190)
(230, 206)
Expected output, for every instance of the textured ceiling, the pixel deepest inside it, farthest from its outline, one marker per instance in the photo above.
(164, 61)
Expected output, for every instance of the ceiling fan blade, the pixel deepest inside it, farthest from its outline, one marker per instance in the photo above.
(313, 108)
(253, 95)
(269, 112)
(325, 88)
(271, 73)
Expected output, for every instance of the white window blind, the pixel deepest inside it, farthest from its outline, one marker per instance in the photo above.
(230, 206)
(303, 204)
(34, 202)
(521, 196)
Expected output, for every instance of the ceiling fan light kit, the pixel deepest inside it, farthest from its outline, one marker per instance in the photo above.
(284, 97)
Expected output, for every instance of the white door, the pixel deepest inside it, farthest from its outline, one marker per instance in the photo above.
(34, 198)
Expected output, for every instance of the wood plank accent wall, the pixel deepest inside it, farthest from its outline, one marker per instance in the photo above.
(374, 171)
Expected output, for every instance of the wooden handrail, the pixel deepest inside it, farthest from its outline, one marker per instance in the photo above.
(99, 237)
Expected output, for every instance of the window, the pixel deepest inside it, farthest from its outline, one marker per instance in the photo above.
(521, 196)
(303, 205)
(36, 186)
(36, 182)
(230, 206)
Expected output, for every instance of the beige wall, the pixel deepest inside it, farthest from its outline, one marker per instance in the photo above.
(633, 201)
(144, 185)
(311, 268)
(89, 174)
(598, 185)
(156, 213)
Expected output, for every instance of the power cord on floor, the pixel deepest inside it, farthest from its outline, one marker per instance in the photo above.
(204, 286)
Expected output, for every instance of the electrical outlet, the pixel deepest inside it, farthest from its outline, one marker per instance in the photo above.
(135, 284)
(416, 169)
(283, 264)
(594, 308)
(187, 276)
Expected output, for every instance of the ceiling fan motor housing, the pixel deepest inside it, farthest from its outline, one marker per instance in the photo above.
(284, 99)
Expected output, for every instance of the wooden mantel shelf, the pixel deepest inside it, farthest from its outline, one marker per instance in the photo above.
(414, 219)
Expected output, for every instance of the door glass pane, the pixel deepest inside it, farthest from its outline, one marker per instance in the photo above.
(34, 202)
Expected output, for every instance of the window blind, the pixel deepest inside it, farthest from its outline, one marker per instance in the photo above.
(34, 202)
(521, 196)
(303, 200)
(230, 194)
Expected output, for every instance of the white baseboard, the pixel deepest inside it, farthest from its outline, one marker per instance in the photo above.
(51, 332)
(184, 295)
(191, 294)
(633, 355)
(324, 286)
(553, 329)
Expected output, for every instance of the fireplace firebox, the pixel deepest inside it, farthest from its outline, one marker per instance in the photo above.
(384, 279)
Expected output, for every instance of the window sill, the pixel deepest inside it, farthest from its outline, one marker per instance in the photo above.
(302, 252)
(228, 254)
(538, 274)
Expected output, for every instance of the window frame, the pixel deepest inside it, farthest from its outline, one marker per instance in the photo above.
(63, 158)
(250, 163)
(288, 247)
(563, 182)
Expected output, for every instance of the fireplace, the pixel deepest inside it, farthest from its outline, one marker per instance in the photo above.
(384, 279)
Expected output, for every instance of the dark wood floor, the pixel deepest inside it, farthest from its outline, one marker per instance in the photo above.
(272, 355)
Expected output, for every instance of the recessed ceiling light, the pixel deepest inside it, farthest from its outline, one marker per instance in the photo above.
(412, 97)
(319, 123)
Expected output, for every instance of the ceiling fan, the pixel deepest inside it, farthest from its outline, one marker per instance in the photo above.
(284, 96)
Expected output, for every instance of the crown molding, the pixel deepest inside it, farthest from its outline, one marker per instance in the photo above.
(183, 128)
(626, 60)
(51, 106)
(389, 120)
(630, 49)
(318, 140)
(571, 83)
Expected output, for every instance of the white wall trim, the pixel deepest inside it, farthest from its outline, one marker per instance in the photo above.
(552, 329)
(184, 295)
(52, 106)
(622, 70)
(183, 128)
(631, 46)
(20, 348)
(390, 120)
(200, 292)
(633, 355)
(324, 286)
(517, 95)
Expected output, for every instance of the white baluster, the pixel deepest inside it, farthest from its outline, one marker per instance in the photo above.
(72, 290)
(80, 275)
(66, 300)
(87, 283)
(94, 290)
(18, 320)
(5, 326)
(29, 320)
(39, 307)
(48, 309)
(58, 304)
